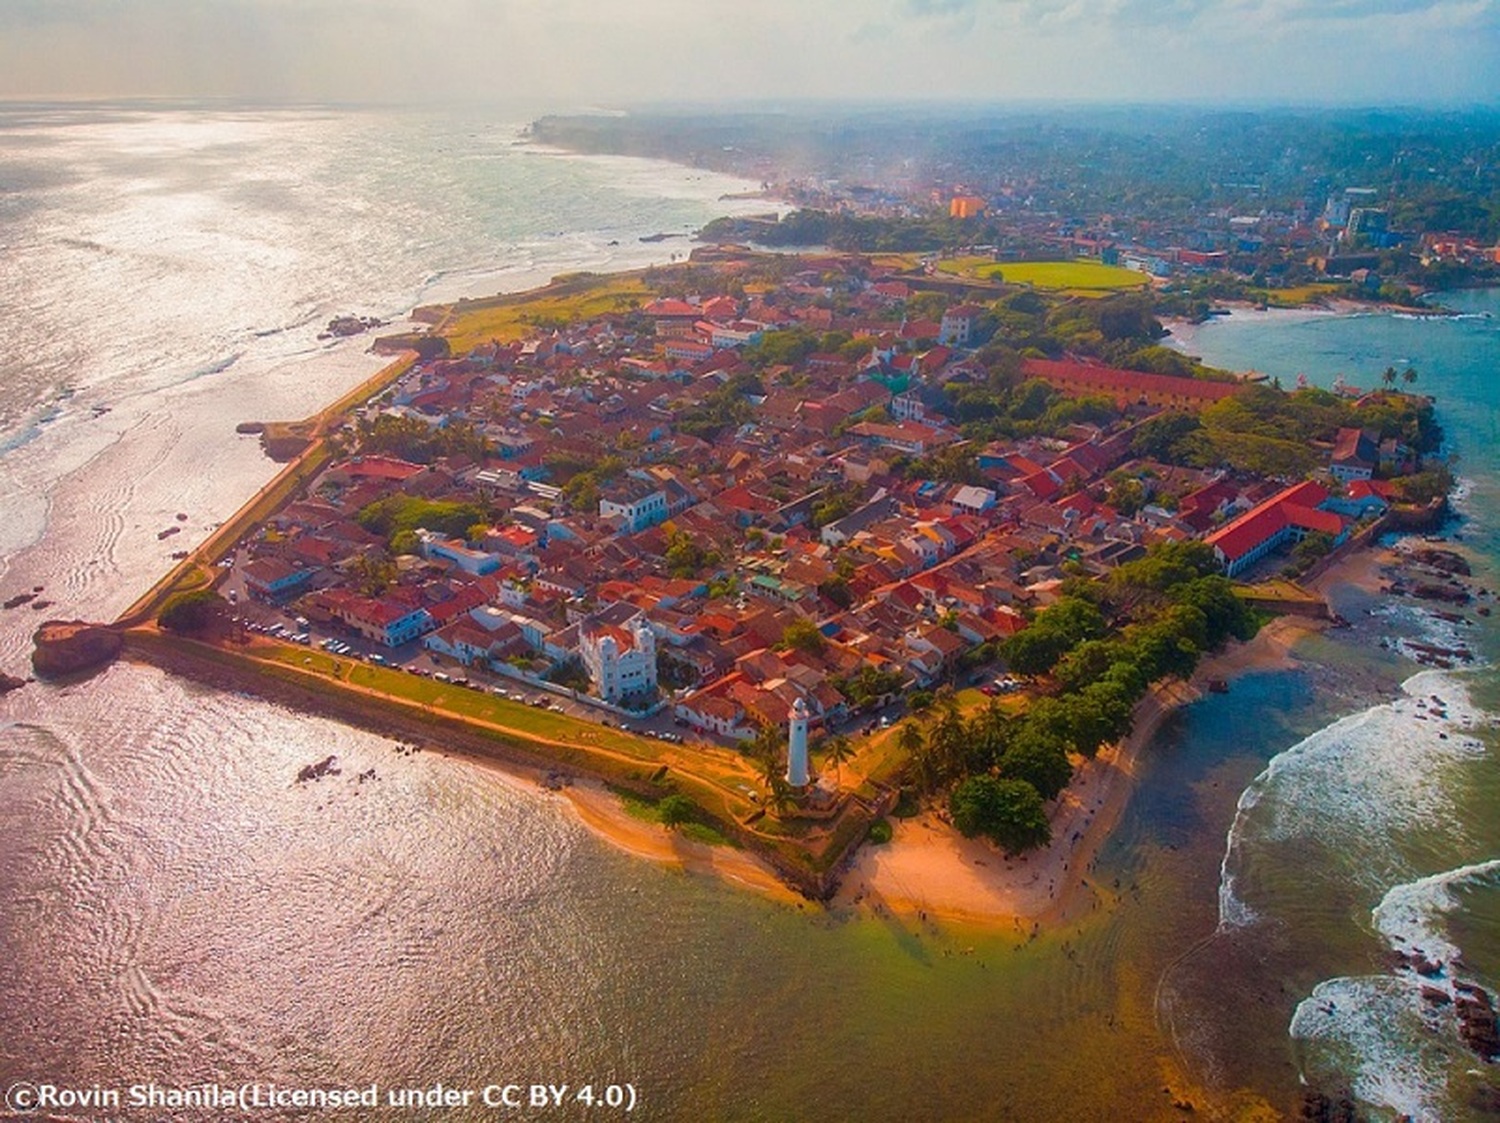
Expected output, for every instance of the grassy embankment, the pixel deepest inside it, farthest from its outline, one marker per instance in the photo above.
(1298, 296)
(723, 783)
(512, 316)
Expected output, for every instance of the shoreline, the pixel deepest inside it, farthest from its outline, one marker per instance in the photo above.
(601, 813)
(1183, 332)
(932, 872)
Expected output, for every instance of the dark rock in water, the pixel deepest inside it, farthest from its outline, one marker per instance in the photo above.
(10, 682)
(18, 600)
(1436, 996)
(351, 325)
(1445, 560)
(1428, 968)
(328, 766)
(1476, 1020)
(69, 647)
(1449, 593)
(1317, 1107)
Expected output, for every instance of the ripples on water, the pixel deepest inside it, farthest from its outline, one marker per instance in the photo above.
(167, 273)
(1376, 833)
(177, 908)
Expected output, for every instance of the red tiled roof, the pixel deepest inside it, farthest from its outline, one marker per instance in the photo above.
(1361, 488)
(1067, 372)
(672, 309)
(380, 468)
(1310, 518)
(1295, 506)
(1042, 484)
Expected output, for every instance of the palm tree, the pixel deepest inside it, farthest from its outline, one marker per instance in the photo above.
(923, 758)
(836, 750)
(1389, 377)
(949, 742)
(770, 771)
(767, 743)
(1409, 375)
(782, 797)
(910, 740)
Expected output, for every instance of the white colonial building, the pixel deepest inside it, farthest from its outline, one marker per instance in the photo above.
(620, 661)
(637, 503)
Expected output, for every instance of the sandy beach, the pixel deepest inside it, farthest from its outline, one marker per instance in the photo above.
(602, 814)
(931, 871)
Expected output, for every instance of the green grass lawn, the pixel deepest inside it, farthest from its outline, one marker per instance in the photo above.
(1081, 276)
(511, 318)
(1298, 297)
(445, 698)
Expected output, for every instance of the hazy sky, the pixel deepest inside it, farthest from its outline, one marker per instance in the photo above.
(569, 53)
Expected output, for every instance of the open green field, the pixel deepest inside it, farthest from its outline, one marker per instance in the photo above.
(1081, 276)
(1298, 297)
(511, 317)
(462, 701)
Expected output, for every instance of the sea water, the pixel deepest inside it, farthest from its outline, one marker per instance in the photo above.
(175, 908)
(1377, 833)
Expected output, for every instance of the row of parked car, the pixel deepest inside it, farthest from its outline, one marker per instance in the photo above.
(279, 631)
(1003, 685)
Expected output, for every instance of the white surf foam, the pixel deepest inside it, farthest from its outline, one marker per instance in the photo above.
(1356, 784)
(1410, 916)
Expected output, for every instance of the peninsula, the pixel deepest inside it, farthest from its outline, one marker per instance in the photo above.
(779, 548)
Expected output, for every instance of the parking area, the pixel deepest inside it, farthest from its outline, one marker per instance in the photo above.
(284, 624)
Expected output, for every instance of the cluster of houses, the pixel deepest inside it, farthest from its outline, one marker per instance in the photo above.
(680, 578)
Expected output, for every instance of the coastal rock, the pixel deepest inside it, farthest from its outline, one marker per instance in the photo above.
(1317, 1107)
(343, 326)
(69, 647)
(1445, 560)
(10, 682)
(1476, 1020)
(328, 766)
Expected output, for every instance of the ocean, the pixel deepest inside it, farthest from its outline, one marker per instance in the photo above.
(1376, 833)
(174, 908)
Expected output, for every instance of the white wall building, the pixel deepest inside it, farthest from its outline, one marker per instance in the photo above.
(620, 662)
(636, 503)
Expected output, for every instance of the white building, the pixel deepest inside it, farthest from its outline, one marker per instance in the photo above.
(620, 661)
(637, 503)
(437, 547)
(796, 747)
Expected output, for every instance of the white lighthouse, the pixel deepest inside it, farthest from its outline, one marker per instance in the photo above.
(796, 746)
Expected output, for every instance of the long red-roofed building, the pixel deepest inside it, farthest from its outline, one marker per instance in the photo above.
(1290, 515)
(1128, 387)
